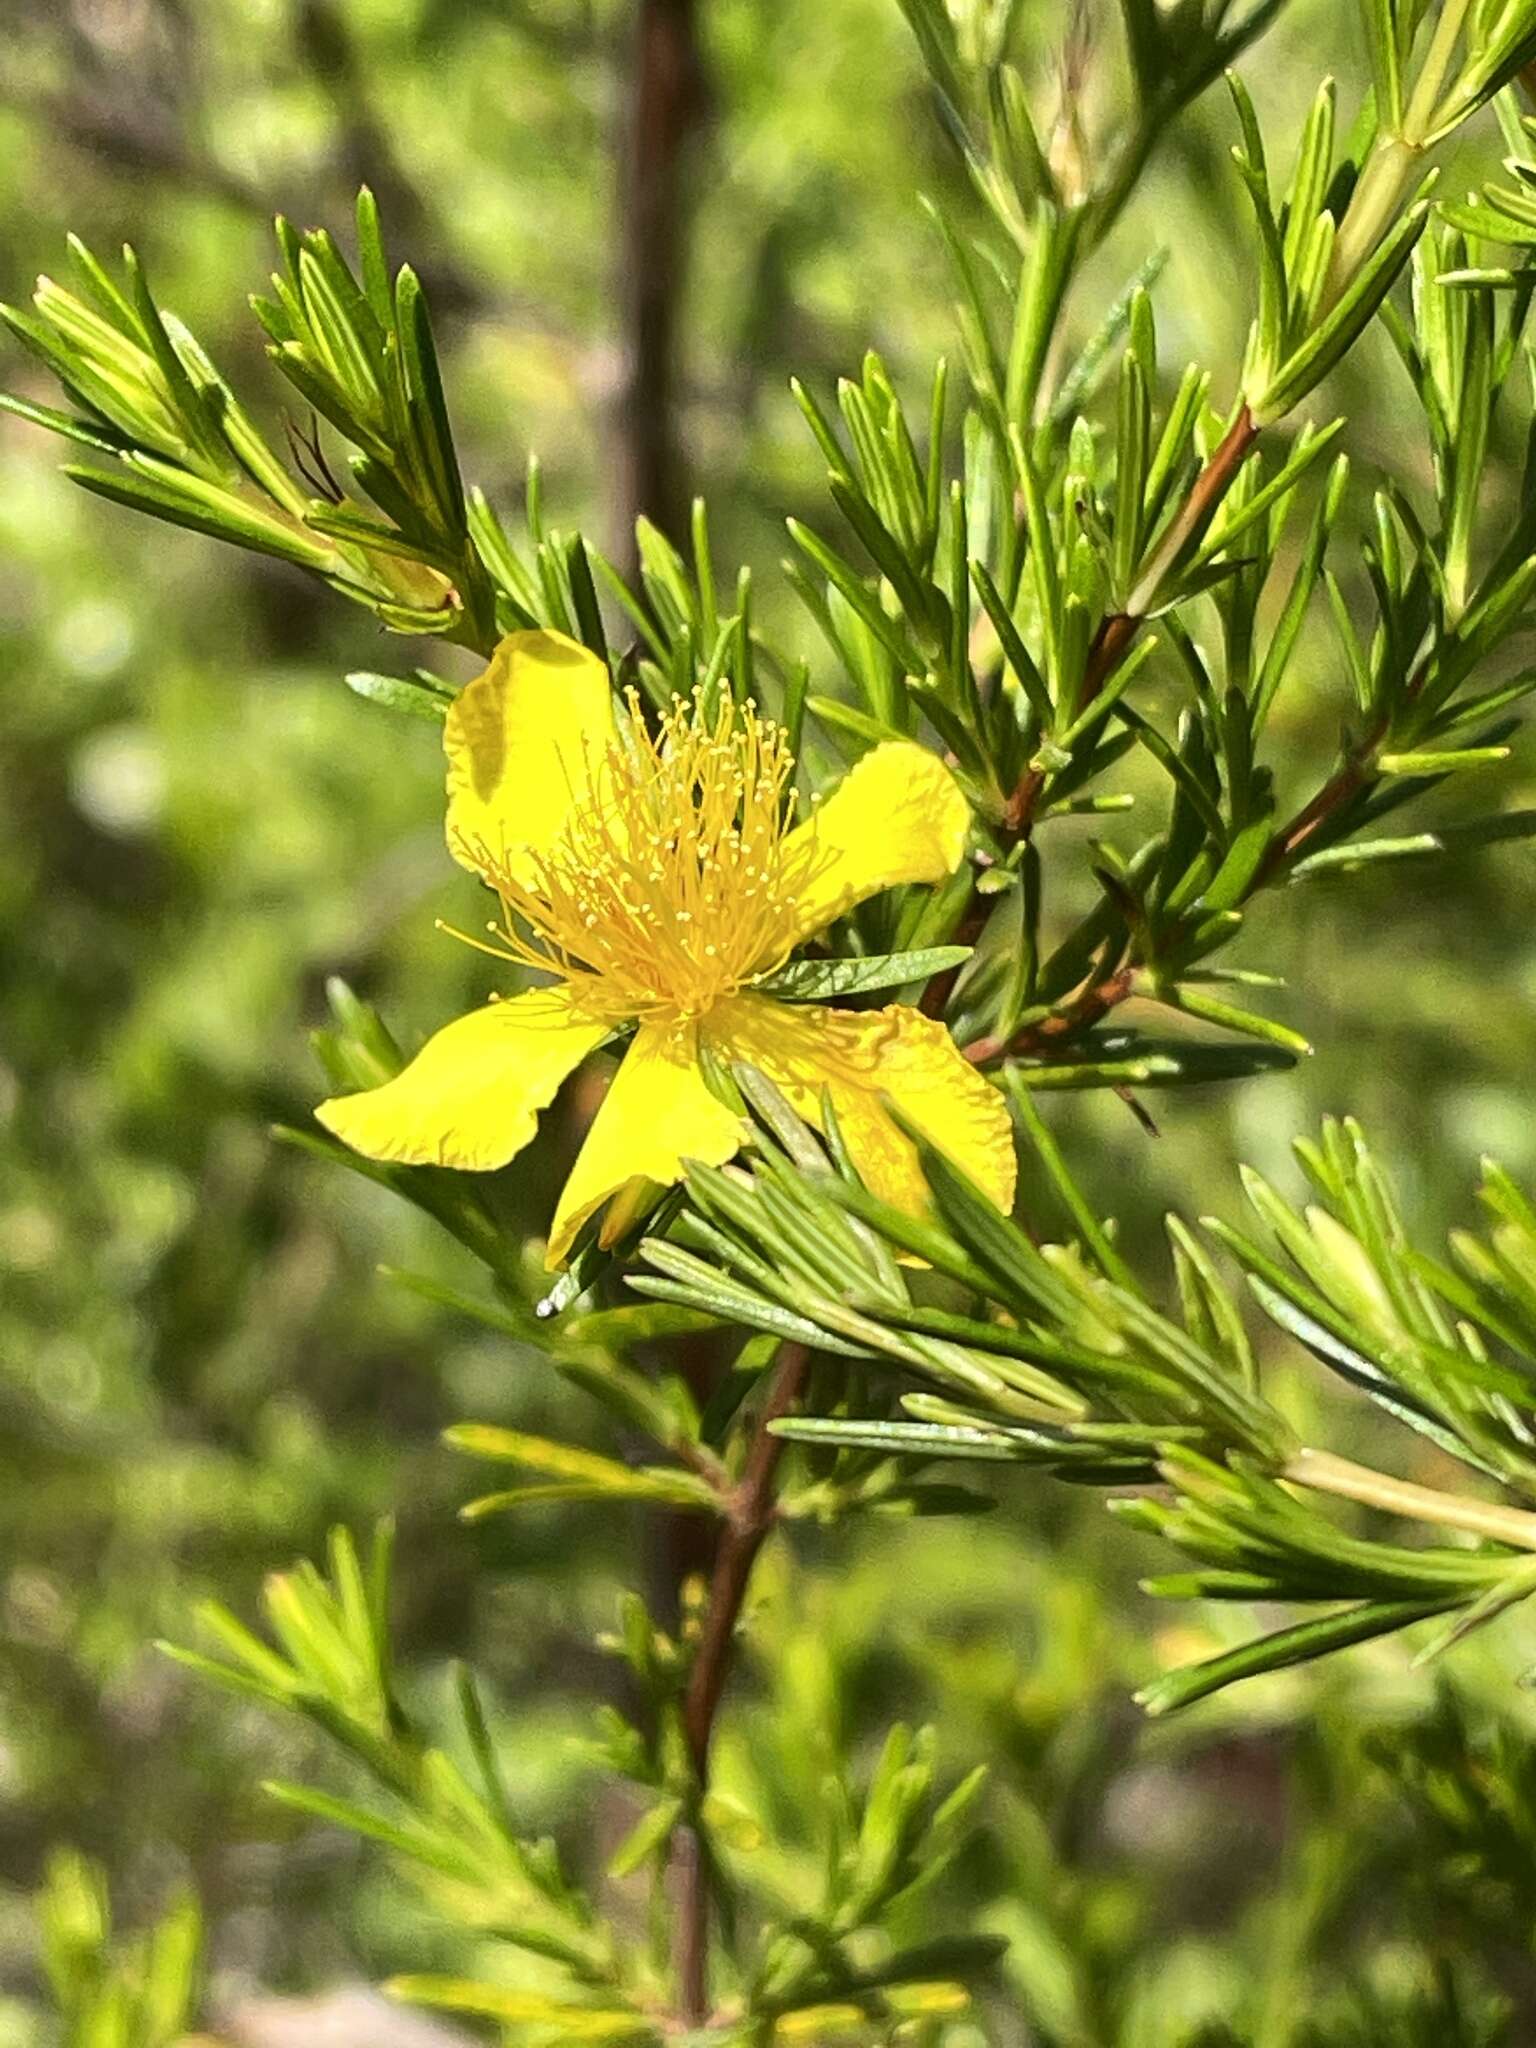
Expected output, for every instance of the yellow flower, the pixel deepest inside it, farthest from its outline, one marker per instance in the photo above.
(655, 881)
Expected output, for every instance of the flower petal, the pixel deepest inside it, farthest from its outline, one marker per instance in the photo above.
(657, 1113)
(525, 742)
(858, 1056)
(471, 1096)
(898, 815)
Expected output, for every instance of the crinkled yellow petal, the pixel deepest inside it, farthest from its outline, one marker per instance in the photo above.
(657, 1113)
(525, 742)
(472, 1095)
(898, 815)
(858, 1056)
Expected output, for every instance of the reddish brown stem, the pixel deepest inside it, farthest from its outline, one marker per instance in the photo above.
(1291, 839)
(667, 105)
(1112, 641)
(1285, 844)
(1117, 631)
(1111, 644)
(1206, 493)
(752, 1509)
(1096, 1002)
(1346, 782)
(935, 997)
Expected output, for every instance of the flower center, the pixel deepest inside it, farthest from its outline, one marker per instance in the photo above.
(670, 885)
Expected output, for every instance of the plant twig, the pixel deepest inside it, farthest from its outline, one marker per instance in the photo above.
(1205, 494)
(1353, 775)
(1347, 781)
(752, 1509)
(1117, 631)
(1094, 1003)
(1292, 838)
(668, 101)
(935, 997)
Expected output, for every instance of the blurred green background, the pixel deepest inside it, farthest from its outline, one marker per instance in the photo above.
(200, 1369)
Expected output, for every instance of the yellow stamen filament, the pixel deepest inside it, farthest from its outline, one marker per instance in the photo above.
(672, 885)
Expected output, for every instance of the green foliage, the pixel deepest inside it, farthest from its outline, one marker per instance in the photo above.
(1098, 588)
(1016, 638)
(1056, 1357)
(138, 1994)
(450, 1826)
(147, 392)
(1017, 635)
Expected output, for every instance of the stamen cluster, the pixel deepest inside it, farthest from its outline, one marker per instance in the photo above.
(673, 883)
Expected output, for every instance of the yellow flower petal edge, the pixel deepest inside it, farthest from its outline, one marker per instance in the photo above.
(898, 815)
(471, 1096)
(525, 741)
(657, 1113)
(858, 1056)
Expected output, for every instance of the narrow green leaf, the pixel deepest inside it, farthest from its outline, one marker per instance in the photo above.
(1448, 762)
(104, 439)
(1195, 1003)
(903, 1439)
(424, 389)
(1284, 1649)
(1338, 331)
(418, 696)
(182, 500)
(587, 1468)
(812, 981)
(647, 1839)
(1310, 449)
(523, 2009)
